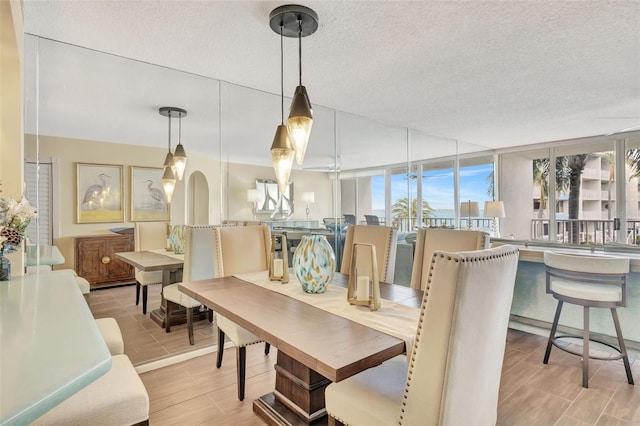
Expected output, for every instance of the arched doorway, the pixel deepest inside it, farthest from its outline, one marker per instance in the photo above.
(198, 200)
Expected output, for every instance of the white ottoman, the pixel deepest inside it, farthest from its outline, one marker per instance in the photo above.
(111, 334)
(117, 398)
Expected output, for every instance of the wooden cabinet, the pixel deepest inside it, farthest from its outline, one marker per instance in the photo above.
(95, 260)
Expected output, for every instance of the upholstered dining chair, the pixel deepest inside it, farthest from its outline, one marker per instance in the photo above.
(349, 219)
(429, 240)
(148, 236)
(198, 265)
(214, 251)
(237, 251)
(452, 374)
(590, 282)
(384, 238)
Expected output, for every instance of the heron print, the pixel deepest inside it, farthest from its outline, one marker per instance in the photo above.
(148, 200)
(99, 193)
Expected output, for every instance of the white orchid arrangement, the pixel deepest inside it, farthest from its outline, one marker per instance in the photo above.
(14, 219)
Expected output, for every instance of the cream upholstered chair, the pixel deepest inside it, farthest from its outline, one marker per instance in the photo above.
(429, 240)
(592, 282)
(452, 375)
(148, 236)
(384, 238)
(198, 265)
(239, 250)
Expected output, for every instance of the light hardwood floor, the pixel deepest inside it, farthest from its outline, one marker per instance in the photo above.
(194, 392)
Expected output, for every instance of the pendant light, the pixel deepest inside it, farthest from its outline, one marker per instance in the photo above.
(282, 150)
(169, 173)
(297, 21)
(180, 156)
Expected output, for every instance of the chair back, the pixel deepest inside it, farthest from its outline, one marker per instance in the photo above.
(242, 249)
(371, 219)
(429, 240)
(456, 361)
(149, 236)
(384, 238)
(350, 219)
(198, 264)
(589, 270)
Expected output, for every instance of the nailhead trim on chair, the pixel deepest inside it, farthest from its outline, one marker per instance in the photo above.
(423, 309)
(389, 242)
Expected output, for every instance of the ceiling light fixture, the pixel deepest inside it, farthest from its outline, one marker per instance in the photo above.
(180, 156)
(169, 173)
(297, 21)
(282, 150)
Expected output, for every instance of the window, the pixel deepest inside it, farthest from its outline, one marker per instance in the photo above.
(38, 192)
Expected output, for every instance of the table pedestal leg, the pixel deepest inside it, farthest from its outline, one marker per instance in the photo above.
(298, 397)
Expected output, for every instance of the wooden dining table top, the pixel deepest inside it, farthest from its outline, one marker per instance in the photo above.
(329, 344)
(147, 260)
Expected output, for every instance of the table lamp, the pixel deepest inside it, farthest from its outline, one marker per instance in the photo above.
(469, 209)
(494, 209)
(309, 198)
(254, 196)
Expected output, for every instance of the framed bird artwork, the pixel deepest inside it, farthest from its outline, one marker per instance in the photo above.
(99, 193)
(148, 200)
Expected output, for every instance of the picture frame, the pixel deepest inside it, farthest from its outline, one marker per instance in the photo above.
(272, 201)
(148, 201)
(99, 193)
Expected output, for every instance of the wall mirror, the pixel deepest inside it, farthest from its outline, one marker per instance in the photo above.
(272, 201)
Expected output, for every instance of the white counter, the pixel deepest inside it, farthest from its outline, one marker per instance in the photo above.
(50, 345)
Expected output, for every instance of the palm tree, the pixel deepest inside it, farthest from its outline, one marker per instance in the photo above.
(633, 160)
(576, 164)
(400, 209)
(541, 178)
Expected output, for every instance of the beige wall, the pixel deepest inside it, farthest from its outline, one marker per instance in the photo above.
(67, 152)
(11, 107)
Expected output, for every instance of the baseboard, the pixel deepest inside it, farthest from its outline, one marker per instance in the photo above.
(165, 362)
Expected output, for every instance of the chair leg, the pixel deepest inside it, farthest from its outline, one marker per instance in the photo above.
(241, 363)
(137, 293)
(623, 347)
(190, 325)
(167, 316)
(220, 347)
(266, 348)
(144, 299)
(552, 334)
(585, 349)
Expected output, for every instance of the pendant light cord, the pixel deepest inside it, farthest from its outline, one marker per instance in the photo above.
(169, 138)
(179, 128)
(281, 74)
(300, 51)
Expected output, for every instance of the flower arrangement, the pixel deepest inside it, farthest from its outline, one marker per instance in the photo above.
(14, 219)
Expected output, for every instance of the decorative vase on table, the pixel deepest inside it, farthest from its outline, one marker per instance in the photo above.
(5, 268)
(314, 263)
(177, 238)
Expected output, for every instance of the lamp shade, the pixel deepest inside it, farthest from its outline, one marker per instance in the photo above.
(300, 122)
(180, 161)
(308, 197)
(168, 182)
(253, 195)
(282, 153)
(494, 209)
(469, 209)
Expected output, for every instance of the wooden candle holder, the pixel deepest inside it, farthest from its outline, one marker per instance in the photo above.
(373, 300)
(284, 276)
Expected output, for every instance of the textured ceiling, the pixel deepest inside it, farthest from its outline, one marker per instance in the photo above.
(486, 73)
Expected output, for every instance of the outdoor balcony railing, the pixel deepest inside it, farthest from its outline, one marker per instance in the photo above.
(599, 231)
(403, 224)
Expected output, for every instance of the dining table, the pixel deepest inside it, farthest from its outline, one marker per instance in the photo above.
(171, 265)
(315, 346)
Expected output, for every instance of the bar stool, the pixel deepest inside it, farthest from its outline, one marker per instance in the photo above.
(592, 282)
